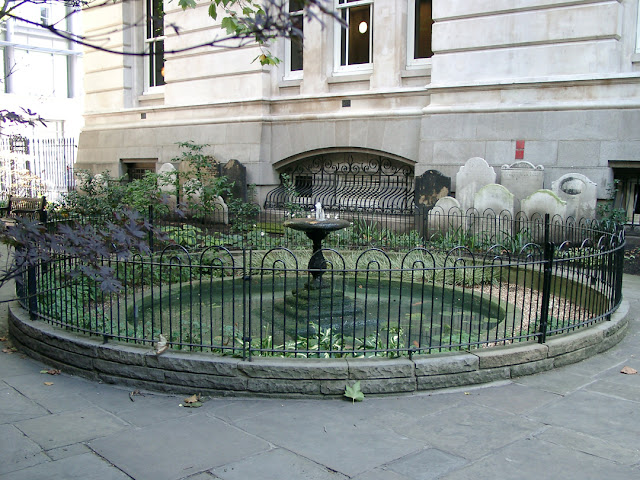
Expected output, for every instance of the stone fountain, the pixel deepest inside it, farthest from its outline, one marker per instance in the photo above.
(324, 304)
(317, 228)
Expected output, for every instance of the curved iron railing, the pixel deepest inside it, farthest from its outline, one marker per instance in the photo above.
(545, 278)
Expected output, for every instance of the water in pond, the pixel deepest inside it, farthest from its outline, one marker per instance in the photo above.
(282, 310)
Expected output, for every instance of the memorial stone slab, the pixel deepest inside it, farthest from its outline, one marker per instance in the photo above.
(535, 206)
(221, 212)
(430, 187)
(579, 192)
(494, 199)
(472, 176)
(445, 215)
(494, 205)
(522, 179)
(236, 173)
(544, 201)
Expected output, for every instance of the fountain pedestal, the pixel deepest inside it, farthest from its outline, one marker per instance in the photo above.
(316, 230)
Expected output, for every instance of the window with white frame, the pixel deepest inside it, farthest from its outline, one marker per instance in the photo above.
(354, 43)
(419, 37)
(294, 50)
(155, 43)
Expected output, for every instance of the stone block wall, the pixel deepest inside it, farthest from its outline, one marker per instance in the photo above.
(139, 367)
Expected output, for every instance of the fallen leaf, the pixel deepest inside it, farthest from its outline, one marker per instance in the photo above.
(629, 371)
(48, 384)
(51, 371)
(193, 405)
(467, 393)
(354, 392)
(135, 392)
(192, 399)
(3, 339)
(9, 350)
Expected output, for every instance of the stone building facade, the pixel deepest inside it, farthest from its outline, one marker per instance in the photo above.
(425, 83)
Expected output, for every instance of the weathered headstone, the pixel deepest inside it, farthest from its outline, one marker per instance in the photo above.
(221, 211)
(471, 177)
(494, 199)
(542, 202)
(579, 192)
(494, 205)
(167, 182)
(236, 173)
(535, 206)
(446, 215)
(430, 187)
(522, 179)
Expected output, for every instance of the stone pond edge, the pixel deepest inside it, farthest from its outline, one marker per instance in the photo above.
(175, 372)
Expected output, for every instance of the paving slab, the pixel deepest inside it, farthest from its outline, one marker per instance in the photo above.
(429, 464)
(535, 460)
(15, 364)
(83, 467)
(17, 451)
(67, 428)
(560, 381)
(512, 398)
(68, 451)
(472, 432)
(135, 407)
(326, 433)
(232, 409)
(621, 389)
(63, 396)
(202, 476)
(629, 455)
(380, 473)
(608, 418)
(270, 465)
(177, 448)
(15, 407)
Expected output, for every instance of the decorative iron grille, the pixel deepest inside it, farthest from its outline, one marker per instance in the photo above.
(347, 183)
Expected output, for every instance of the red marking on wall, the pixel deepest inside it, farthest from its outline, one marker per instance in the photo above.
(519, 149)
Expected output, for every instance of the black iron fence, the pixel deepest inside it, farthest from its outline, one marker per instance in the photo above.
(557, 276)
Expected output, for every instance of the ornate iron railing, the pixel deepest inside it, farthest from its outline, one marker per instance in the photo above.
(432, 298)
(346, 183)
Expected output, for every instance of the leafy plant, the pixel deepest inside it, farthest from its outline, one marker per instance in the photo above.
(611, 218)
(291, 205)
(202, 184)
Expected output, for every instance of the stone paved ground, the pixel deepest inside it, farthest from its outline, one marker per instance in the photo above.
(577, 422)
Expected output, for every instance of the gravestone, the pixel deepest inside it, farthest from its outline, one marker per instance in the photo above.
(236, 173)
(495, 198)
(446, 215)
(544, 201)
(522, 179)
(168, 186)
(494, 204)
(579, 192)
(471, 177)
(221, 211)
(430, 187)
(535, 206)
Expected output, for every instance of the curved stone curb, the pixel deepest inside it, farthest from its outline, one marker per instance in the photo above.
(177, 372)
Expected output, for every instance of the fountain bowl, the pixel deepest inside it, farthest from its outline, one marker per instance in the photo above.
(314, 225)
